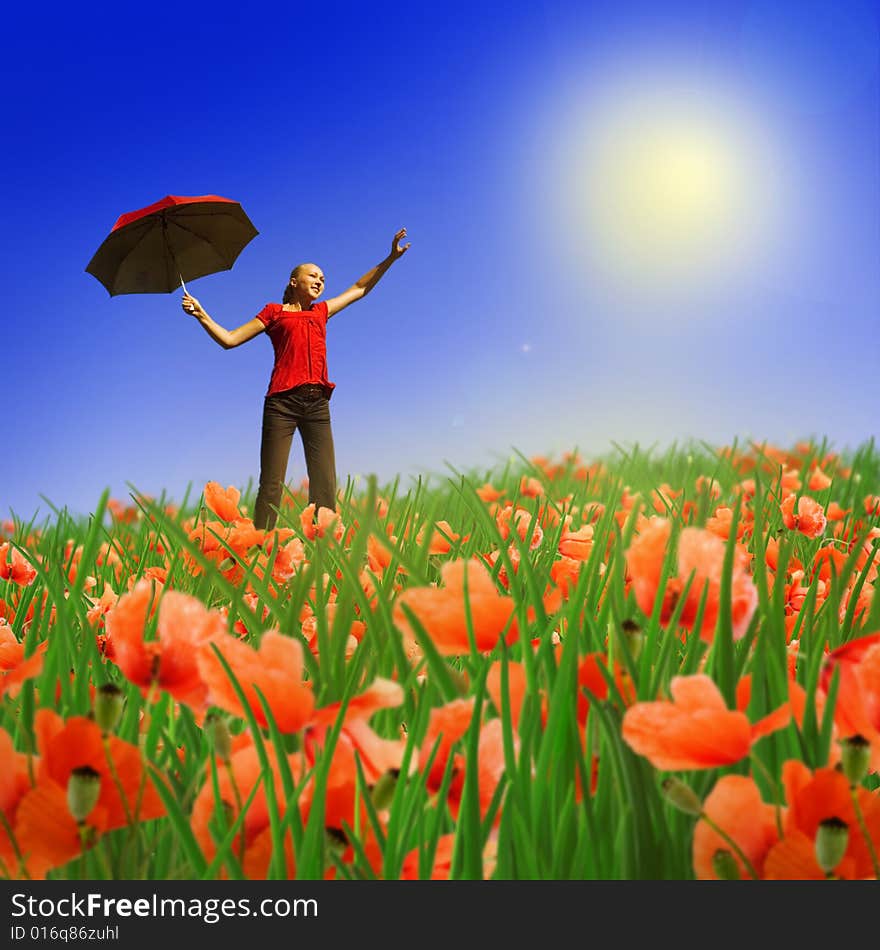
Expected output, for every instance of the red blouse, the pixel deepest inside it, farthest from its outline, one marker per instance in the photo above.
(299, 338)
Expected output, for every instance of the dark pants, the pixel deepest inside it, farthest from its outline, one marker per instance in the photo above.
(308, 409)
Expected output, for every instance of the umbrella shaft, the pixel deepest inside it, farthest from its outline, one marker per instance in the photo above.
(171, 252)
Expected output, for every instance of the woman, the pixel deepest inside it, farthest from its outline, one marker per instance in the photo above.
(299, 391)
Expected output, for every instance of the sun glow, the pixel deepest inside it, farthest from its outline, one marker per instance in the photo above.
(666, 188)
(664, 192)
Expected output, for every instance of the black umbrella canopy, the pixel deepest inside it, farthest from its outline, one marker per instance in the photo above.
(179, 238)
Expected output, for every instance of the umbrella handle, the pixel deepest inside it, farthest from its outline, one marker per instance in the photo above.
(182, 284)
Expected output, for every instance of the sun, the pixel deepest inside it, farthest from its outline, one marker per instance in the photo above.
(665, 191)
(666, 196)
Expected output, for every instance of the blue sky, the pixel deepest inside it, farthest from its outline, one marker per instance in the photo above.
(509, 323)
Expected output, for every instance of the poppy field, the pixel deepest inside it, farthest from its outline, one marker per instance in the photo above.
(654, 665)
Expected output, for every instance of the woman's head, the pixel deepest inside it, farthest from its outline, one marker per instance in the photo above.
(306, 284)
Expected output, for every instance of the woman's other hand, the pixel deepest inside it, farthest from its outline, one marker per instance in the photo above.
(192, 306)
(396, 251)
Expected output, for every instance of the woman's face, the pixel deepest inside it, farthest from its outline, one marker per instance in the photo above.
(308, 281)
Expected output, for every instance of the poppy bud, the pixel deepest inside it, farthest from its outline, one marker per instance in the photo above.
(855, 758)
(222, 818)
(460, 679)
(109, 700)
(83, 789)
(383, 791)
(336, 841)
(635, 638)
(681, 796)
(724, 865)
(217, 731)
(832, 837)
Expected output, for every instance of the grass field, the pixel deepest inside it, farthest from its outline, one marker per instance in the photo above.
(653, 665)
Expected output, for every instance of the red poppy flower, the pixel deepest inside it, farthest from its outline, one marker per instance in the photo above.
(813, 798)
(591, 677)
(223, 501)
(45, 830)
(443, 611)
(356, 631)
(356, 741)
(490, 768)
(488, 493)
(447, 723)
(530, 487)
(857, 710)
(722, 521)
(663, 498)
(809, 519)
(78, 742)
(14, 668)
(15, 567)
(275, 668)
(327, 523)
(169, 661)
(253, 847)
(577, 544)
(734, 805)
(378, 555)
(517, 686)
(442, 866)
(696, 730)
(46, 833)
(518, 519)
(818, 480)
(442, 538)
(564, 574)
(14, 784)
(701, 554)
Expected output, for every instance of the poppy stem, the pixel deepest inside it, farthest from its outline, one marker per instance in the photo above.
(86, 839)
(869, 841)
(736, 848)
(775, 786)
(242, 840)
(103, 859)
(132, 819)
(18, 857)
(105, 741)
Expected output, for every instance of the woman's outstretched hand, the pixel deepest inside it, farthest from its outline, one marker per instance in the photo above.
(395, 250)
(192, 306)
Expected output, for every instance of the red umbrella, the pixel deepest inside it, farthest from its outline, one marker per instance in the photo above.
(151, 250)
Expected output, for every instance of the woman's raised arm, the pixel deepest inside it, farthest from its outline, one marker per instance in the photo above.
(370, 279)
(226, 338)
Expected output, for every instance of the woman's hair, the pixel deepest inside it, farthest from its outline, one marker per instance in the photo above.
(288, 290)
